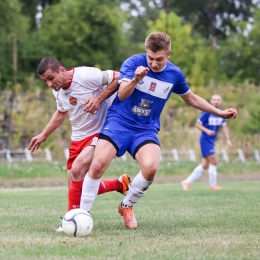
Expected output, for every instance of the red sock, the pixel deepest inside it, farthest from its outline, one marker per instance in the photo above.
(74, 194)
(109, 185)
(75, 191)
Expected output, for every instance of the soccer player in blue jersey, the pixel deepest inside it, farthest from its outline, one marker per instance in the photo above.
(209, 124)
(133, 120)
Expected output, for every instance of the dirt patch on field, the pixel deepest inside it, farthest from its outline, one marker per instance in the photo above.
(62, 182)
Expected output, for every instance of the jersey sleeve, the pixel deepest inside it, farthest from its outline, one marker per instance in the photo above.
(107, 77)
(181, 87)
(203, 118)
(127, 70)
(94, 78)
(58, 102)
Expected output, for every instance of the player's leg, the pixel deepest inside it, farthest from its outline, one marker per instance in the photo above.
(79, 169)
(212, 159)
(103, 155)
(69, 179)
(197, 172)
(148, 158)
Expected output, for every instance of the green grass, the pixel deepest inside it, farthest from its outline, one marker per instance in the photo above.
(58, 169)
(173, 224)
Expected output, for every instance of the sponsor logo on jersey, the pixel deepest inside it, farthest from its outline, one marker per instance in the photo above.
(141, 82)
(143, 108)
(73, 101)
(215, 121)
(67, 93)
(152, 86)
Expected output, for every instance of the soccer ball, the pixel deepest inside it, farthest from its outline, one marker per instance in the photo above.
(77, 223)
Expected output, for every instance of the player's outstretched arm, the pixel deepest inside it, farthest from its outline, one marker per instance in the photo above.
(92, 104)
(56, 120)
(201, 104)
(226, 134)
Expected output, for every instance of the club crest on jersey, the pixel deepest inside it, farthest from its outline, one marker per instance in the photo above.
(166, 90)
(152, 86)
(143, 108)
(73, 101)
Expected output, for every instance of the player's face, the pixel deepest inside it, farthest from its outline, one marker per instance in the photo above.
(216, 101)
(53, 79)
(157, 60)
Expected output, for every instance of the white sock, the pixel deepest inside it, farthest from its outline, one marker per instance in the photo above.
(212, 175)
(195, 174)
(138, 188)
(89, 192)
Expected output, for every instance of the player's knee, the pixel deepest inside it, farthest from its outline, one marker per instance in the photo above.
(76, 173)
(96, 167)
(149, 171)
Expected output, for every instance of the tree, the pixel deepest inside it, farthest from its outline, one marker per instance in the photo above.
(189, 52)
(84, 32)
(239, 54)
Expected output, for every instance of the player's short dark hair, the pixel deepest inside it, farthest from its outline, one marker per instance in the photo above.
(158, 41)
(49, 63)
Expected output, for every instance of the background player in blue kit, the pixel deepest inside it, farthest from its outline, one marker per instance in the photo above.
(209, 125)
(133, 120)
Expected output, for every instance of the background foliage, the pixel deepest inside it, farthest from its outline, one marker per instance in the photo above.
(215, 43)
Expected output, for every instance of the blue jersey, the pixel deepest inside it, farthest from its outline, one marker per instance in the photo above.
(212, 122)
(142, 109)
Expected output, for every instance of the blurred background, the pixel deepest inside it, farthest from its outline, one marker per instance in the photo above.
(215, 42)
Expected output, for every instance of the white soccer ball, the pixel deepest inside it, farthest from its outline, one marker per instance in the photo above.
(77, 223)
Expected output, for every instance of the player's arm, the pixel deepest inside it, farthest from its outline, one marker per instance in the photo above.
(127, 87)
(204, 129)
(56, 120)
(226, 134)
(201, 104)
(92, 104)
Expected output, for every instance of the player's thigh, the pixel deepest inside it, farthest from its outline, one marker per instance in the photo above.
(103, 155)
(148, 158)
(84, 159)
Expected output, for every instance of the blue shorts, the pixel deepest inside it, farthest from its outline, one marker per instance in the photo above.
(207, 148)
(127, 139)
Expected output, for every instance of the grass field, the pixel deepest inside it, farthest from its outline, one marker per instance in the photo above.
(173, 224)
(24, 174)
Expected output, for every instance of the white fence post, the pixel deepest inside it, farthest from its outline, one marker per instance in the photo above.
(48, 156)
(66, 153)
(225, 155)
(124, 158)
(8, 156)
(175, 155)
(257, 157)
(192, 155)
(241, 155)
(28, 155)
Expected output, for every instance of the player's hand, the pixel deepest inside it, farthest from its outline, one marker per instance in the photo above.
(230, 113)
(140, 73)
(210, 132)
(36, 142)
(92, 105)
(229, 144)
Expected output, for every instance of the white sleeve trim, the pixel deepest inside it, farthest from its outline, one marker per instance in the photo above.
(124, 79)
(184, 93)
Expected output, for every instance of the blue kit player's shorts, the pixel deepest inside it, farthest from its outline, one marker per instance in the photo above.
(207, 147)
(125, 138)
